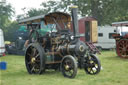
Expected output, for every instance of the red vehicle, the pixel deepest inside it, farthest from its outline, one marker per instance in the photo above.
(121, 38)
(88, 29)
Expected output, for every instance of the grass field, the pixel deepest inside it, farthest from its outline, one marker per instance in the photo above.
(114, 72)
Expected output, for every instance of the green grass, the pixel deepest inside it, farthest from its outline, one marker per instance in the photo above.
(114, 72)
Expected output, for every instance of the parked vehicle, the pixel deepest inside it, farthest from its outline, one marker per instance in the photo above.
(121, 38)
(2, 45)
(61, 49)
(17, 47)
(105, 38)
(88, 29)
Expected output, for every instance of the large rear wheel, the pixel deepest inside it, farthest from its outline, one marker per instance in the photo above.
(35, 59)
(122, 48)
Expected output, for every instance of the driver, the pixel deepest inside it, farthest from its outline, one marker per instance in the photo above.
(69, 25)
(27, 41)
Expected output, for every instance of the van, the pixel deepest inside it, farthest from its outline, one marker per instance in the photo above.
(2, 45)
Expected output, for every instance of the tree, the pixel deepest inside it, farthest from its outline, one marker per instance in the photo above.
(34, 12)
(105, 11)
(6, 11)
(50, 6)
(11, 29)
(122, 10)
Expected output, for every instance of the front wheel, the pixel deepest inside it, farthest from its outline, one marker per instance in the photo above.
(69, 66)
(92, 65)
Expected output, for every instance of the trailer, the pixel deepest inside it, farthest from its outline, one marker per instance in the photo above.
(88, 29)
(105, 38)
(2, 45)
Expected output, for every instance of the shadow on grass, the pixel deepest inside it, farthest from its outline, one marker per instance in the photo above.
(47, 72)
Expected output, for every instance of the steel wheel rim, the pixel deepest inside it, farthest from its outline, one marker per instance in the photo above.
(33, 60)
(69, 67)
(93, 65)
(122, 48)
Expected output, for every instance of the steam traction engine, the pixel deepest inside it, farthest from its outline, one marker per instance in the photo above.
(54, 46)
(121, 38)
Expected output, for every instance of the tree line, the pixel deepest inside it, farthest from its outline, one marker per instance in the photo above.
(105, 11)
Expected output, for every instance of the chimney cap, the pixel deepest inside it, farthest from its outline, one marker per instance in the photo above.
(74, 6)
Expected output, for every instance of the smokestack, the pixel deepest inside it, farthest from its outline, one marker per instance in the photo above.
(74, 11)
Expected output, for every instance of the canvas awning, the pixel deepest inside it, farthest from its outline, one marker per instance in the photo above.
(49, 18)
(58, 16)
(35, 19)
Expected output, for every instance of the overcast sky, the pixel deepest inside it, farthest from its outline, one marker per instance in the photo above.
(19, 4)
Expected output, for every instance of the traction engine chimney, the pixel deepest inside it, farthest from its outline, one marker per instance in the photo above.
(74, 11)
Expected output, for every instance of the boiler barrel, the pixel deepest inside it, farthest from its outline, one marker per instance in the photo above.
(78, 49)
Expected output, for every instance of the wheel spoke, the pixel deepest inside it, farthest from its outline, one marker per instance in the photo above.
(33, 52)
(32, 69)
(89, 69)
(96, 65)
(37, 55)
(94, 60)
(29, 62)
(93, 65)
(28, 54)
(37, 60)
(92, 71)
(70, 72)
